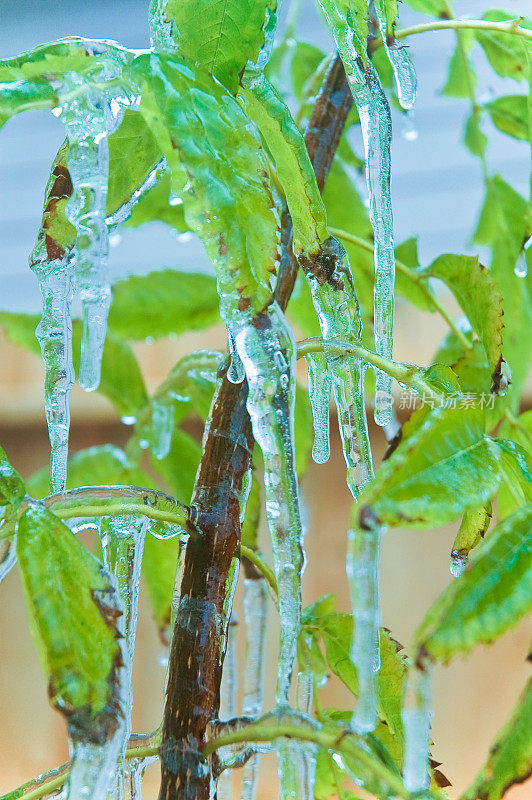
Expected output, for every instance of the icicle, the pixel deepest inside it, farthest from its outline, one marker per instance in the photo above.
(89, 120)
(122, 545)
(162, 422)
(457, 563)
(255, 609)
(8, 555)
(521, 266)
(403, 69)
(54, 334)
(417, 715)
(363, 574)
(319, 391)
(267, 349)
(337, 307)
(124, 212)
(228, 696)
(236, 372)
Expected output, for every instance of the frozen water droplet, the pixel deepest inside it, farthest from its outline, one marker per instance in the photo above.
(409, 132)
(129, 420)
(144, 444)
(457, 564)
(236, 372)
(521, 266)
(8, 555)
(184, 237)
(162, 422)
(115, 239)
(175, 200)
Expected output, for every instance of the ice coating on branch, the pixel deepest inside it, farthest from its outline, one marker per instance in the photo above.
(336, 304)
(54, 334)
(319, 392)
(255, 609)
(236, 372)
(267, 349)
(417, 714)
(403, 69)
(363, 575)
(88, 120)
(8, 555)
(457, 563)
(296, 759)
(228, 698)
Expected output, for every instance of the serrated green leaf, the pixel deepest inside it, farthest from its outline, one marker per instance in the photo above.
(163, 303)
(510, 115)
(444, 465)
(461, 78)
(503, 51)
(73, 610)
(502, 227)
(478, 295)
(474, 139)
(348, 22)
(155, 205)
(220, 171)
(121, 380)
(516, 469)
(12, 488)
(510, 758)
(231, 33)
(492, 595)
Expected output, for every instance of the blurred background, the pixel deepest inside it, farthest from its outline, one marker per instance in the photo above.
(437, 192)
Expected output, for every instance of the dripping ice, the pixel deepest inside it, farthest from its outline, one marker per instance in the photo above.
(267, 350)
(88, 121)
(319, 392)
(417, 715)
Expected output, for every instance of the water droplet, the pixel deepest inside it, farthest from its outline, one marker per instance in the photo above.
(129, 420)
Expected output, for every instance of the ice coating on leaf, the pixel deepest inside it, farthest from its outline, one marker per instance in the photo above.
(162, 422)
(255, 609)
(336, 304)
(228, 698)
(89, 119)
(266, 346)
(417, 714)
(8, 556)
(319, 392)
(236, 372)
(54, 333)
(457, 564)
(363, 576)
(403, 69)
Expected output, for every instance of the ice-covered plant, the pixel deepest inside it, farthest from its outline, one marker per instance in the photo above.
(196, 132)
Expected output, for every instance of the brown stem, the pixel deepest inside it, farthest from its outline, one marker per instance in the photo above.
(196, 657)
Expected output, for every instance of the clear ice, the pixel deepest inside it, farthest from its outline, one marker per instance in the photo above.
(319, 392)
(338, 313)
(296, 760)
(255, 610)
(54, 333)
(363, 576)
(162, 423)
(88, 120)
(228, 701)
(417, 715)
(267, 349)
(8, 555)
(236, 372)
(403, 69)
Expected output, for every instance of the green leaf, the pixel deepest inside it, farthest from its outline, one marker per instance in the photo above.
(73, 610)
(504, 51)
(179, 467)
(494, 592)
(230, 34)
(220, 171)
(516, 468)
(156, 205)
(159, 566)
(474, 139)
(304, 61)
(444, 465)
(510, 115)
(121, 380)
(461, 78)
(12, 489)
(478, 295)
(163, 303)
(474, 525)
(510, 758)
(502, 227)
(436, 8)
